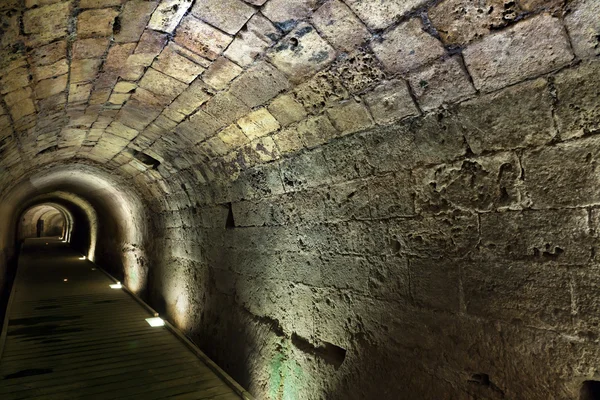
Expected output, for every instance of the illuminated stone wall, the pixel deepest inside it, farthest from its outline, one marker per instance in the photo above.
(335, 199)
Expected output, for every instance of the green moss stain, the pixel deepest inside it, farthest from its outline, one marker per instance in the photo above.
(287, 377)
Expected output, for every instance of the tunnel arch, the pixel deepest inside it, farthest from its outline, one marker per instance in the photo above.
(30, 218)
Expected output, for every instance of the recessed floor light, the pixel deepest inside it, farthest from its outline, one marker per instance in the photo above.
(155, 322)
(64, 280)
(116, 286)
(82, 258)
(93, 269)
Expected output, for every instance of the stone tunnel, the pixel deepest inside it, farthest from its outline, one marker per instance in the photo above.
(333, 199)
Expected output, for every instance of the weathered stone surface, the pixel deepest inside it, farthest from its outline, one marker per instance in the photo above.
(258, 35)
(96, 22)
(258, 123)
(176, 62)
(133, 20)
(564, 174)
(482, 184)
(233, 136)
(379, 15)
(50, 87)
(439, 83)
(359, 71)
(201, 38)
(288, 141)
(226, 108)
(301, 53)
(47, 23)
(90, 48)
(338, 24)
(324, 89)
(407, 47)
(436, 283)
(560, 236)
(391, 195)
(286, 110)
(351, 116)
(390, 102)
(531, 48)
(578, 110)
(50, 53)
(515, 117)
(259, 84)
(168, 14)
(84, 70)
(220, 73)
(285, 14)
(227, 15)
(584, 28)
(315, 131)
(165, 87)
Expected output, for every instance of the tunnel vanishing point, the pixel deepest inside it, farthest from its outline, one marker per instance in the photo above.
(334, 199)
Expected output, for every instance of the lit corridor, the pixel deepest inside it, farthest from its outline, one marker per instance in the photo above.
(69, 335)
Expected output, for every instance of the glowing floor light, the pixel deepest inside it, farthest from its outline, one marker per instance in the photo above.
(82, 258)
(155, 322)
(65, 280)
(116, 286)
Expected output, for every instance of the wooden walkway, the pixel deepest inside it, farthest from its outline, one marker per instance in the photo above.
(70, 336)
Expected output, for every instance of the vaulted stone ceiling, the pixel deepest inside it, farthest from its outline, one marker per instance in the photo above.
(154, 87)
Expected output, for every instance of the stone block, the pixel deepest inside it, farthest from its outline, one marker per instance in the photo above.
(358, 71)
(287, 110)
(518, 116)
(482, 184)
(347, 201)
(350, 116)
(168, 14)
(163, 86)
(220, 73)
(259, 84)
(340, 26)
(251, 42)
(261, 150)
(563, 175)
(559, 236)
(344, 272)
(90, 48)
(534, 294)
(14, 79)
(578, 109)
(133, 19)
(583, 26)
(198, 127)
(407, 47)
(390, 102)
(322, 90)
(50, 87)
(92, 23)
(258, 123)
(125, 87)
(180, 63)
(389, 277)
(304, 170)
(440, 83)
(459, 22)
(201, 38)
(435, 284)
(379, 15)
(288, 140)
(47, 23)
(226, 108)
(192, 98)
(301, 53)
(286, 14)
(84, 70)
(530, 48)
(50, 53)
(79, 92)
(316, 131)
(227, 15)
(585, 302)
(99, 3)
(391, 195)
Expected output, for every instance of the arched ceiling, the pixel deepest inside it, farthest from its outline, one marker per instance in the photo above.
(154, 87)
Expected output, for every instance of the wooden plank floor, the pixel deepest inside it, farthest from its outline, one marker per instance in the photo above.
(79, 339)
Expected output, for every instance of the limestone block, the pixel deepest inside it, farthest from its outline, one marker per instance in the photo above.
(84, 70)
(286, 110)
(79, 92)
(301, 53)
(347, 201)
(50, 87)
(379, 15)
(322, 90)
(227, 15)
(165, 87)
(133, 20)
(358, 71)
(407, 47)
(20, 103)
(168, 14)
(583, 26)
(286, 14)
(518, 116)
(258, 123)
(440, 83)
(99, 3)
(350, 116)
(125, 87)
(192, 98)
(198, 127)
(315, 131)
(176, 62)
(119, 98)
(389, 277)
(482, 184)
(90, 48)
(11, 28)
(96, 22)
(536, 294)
(14, 79)
(50, 53)
(46, 23)
(117, 57)
(578, 109)
(259, 84)
(288, 140)
(226, 108)
(461, 21)
(261, 150)
(391, 195)
(530, 48)
(390, 102)
(338, 24)
(558, 236)
(201, 38)
(304, 170)
(251, 42)
(220, 73)
(585, 301)
(233, 136)
(564, 175)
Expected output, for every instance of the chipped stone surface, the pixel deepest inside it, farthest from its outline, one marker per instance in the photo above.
(390, 102)
(584, 28)
(259, 84)
(442, 82)
(285, 14)
(407, 47)
(168, 14)
(179, 63)
(535, 46)
(201, 38)
(258, 35)
(96, 22)
(338, 24)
